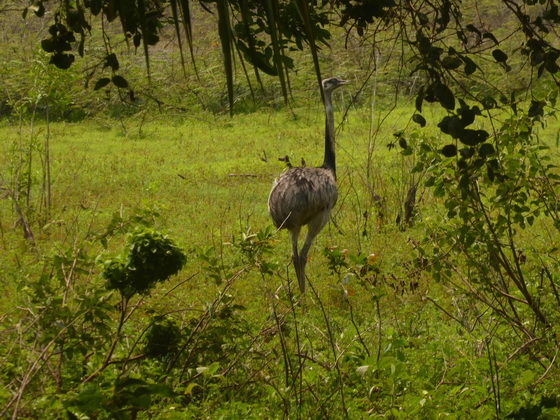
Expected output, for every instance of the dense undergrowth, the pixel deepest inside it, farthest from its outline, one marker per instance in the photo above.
(407, 320)
(141, 278)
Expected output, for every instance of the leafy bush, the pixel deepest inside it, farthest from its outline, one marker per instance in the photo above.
(162, 339)
(150, 257)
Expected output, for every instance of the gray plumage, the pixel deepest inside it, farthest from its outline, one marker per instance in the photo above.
(306, 196)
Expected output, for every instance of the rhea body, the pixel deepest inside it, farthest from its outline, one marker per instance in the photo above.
(306, 195)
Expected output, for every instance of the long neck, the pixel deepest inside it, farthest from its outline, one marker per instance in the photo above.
(330, 159)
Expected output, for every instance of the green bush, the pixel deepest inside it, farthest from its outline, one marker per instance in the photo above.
(150, 257)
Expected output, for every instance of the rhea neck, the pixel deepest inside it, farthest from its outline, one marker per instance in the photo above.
(330, 159)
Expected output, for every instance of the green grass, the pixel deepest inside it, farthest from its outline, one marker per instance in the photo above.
(193, 167)
(385, 340)
(206, 176)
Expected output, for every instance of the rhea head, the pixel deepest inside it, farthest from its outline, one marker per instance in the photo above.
(333, 83)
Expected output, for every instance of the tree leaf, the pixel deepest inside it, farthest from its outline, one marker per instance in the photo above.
(486, 149)
(473, 137)
(101, 83)
(95, 7)
(119, 82)
(466, 152)
(536, 109)
(419, 99)
(40, 10)
(257, 58)
(451, 63)
(451, 125)
(81, 45)
(467, 117)
(449, 151)
(552, 67)
(472, 28)
(499, 56)
(112, 61)
(48, 45)
(490, 35)
(62, 61)
(444, 96)
(489, 102)
(470, 66)
(490, 172)
(419, 119)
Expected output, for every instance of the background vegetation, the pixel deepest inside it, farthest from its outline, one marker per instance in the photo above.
(141, 276)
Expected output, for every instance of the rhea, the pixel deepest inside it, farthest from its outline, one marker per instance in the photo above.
(306, 195)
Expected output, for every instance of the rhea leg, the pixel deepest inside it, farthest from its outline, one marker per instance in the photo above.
(294, 234)
(315, 226)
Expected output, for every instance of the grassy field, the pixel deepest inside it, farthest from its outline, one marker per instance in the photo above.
(453, 315)
(374, 335)
(209, 177)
